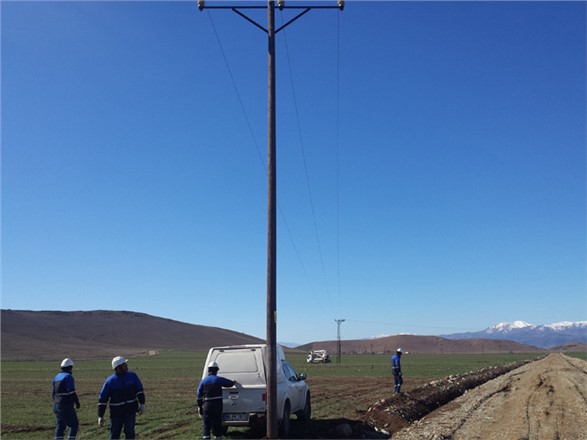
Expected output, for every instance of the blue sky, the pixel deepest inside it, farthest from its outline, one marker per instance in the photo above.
(431, 164)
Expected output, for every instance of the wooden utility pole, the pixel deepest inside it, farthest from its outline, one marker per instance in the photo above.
(271, 232)
(271, 313)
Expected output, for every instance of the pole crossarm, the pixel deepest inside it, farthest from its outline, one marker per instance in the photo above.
(293, 19)
(280, 5)
(236, 9)
(205, 6)
(250, 20)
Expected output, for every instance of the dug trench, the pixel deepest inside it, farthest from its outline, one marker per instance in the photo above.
(393, 414)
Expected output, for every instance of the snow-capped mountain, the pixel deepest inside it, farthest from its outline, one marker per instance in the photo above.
(543, 336)
(506, 327)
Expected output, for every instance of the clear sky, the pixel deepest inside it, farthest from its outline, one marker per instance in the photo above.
(431, 164)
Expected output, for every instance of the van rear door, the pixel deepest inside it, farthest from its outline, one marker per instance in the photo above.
(245, 365)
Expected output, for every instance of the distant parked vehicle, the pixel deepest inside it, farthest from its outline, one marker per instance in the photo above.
(246, 403)
(318, 357)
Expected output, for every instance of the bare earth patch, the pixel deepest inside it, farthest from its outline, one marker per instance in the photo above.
(542, 399)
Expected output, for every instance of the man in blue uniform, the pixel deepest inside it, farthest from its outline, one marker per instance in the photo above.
(124, 390)
(209, 397)
(396, 369)
(64, 397)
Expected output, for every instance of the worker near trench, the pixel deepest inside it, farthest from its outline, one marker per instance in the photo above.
(396, 369)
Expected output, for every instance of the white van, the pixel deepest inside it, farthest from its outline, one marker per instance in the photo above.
(246, 403)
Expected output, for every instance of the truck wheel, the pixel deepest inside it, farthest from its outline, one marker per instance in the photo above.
(306, 413)
(284, 428)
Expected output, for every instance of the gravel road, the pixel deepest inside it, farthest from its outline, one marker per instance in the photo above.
(546, 399)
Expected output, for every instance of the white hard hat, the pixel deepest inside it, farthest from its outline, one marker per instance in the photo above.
(66, 363)
(118, 361)
(399, 350)
(213, 365)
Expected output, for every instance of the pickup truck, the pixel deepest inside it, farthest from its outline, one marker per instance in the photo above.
(245, 404)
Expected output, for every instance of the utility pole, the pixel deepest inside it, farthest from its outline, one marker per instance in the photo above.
(338, 342)
(271, 313)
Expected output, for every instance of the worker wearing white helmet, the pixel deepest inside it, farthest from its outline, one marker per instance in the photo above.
(209, 399)
(124, 391)
(396, 369)
(64, 398)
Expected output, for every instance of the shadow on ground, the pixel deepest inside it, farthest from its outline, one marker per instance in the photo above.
(318, 429)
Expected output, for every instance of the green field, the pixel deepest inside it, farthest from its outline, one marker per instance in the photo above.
(170, 381)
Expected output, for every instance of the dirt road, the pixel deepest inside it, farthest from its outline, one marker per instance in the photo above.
(546, 399)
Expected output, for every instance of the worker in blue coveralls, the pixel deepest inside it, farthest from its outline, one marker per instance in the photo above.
(64, 398)
(124, 390)
(209, 399)
(396, 369)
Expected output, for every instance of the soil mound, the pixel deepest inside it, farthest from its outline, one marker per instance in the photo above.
(393, 414)
(544, 399)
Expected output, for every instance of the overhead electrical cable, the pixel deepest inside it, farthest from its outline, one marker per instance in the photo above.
(401, 324)
(264, 166)
(314, 295)
(240, 100)
(307, 174)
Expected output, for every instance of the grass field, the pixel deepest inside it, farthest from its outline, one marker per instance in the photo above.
(170, 381)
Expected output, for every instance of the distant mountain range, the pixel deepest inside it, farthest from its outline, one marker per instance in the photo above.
(50, 335)
(102, 334)
(543, 336)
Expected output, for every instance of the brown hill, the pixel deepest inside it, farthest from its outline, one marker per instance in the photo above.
(50, 335)
(571, 346)
(423, 345)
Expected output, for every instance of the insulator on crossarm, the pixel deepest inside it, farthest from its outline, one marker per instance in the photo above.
(201, 5)
(281, 4)
(341, 4)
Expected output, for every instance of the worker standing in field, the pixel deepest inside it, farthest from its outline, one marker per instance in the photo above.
(209, 398)
(396, 369)
(64, 398)
(124, 390)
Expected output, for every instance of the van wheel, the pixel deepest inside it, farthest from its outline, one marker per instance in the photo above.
(284, 428)
(306, 413)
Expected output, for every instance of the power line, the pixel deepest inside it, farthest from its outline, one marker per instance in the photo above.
(400, 324)
(338, 340)
(263, 165)
(238, 95)
(307, 174)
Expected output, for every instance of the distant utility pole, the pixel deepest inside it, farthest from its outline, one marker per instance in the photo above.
(272, 192)
(338, 343)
